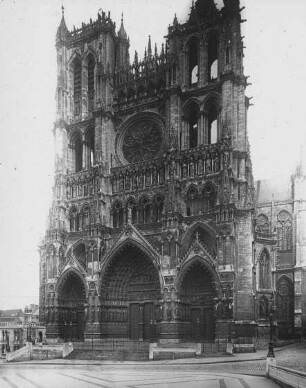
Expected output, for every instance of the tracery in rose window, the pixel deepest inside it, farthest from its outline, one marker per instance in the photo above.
(142, 141)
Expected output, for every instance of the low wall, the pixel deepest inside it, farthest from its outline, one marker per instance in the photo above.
(47, 352)
(286, 378)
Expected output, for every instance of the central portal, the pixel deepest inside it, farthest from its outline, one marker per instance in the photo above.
(130, 294)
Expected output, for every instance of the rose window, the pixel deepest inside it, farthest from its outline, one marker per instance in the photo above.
(142, 141)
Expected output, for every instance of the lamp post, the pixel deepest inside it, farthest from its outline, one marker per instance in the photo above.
(70, 331)
(65, 331)
(271, 320)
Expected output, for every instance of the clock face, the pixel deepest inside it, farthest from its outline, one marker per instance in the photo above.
(142, 141)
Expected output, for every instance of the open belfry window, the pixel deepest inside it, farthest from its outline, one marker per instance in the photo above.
(77, 153)
(212, 53)
(212, 125)
(193, 50)
(77, 85)
(90, 147)
(193, 125)
(91, 82)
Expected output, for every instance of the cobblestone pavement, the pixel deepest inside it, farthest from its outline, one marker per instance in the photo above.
(161, 376)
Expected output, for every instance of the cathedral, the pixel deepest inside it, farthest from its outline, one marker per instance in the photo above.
(157, 231)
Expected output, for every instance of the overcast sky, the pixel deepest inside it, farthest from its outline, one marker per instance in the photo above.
(275, 60)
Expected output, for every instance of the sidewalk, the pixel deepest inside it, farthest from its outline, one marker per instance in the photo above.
(259, 355)
(291, 356)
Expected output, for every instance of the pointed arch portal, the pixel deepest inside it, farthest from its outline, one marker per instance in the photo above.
(197, 293)
(71, 307)
(130, 294)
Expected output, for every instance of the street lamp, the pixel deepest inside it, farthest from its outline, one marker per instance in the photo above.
(271, 320)
(70, 331)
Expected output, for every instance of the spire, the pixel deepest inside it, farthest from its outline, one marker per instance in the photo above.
(175, 22)
(149, 48)
(136, 58)
(192, 16)
(155, 50)
(163, 50)
(301, 167)
(122, 33)
(62, 32)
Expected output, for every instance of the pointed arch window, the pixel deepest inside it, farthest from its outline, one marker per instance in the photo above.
(76, 152)
(80, 254)
(192, 204)
(74, 220)
(145, 211)
(77, 85)
(208, 197)
(193, 50)
(158, 205)
(192, 120)
(264, 270)
(91, 82)
(284, 231)
(85, 217)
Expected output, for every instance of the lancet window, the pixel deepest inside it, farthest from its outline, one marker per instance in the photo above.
(74, 219)
(284, 231)
(91, 82)
(158, 205)
(77, 85)
(212, 54)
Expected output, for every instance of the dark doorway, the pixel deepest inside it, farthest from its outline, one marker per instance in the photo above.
(129, 294)
(71, 300)
(197, 294)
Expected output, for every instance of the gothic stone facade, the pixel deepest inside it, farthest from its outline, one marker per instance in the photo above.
(151, 232)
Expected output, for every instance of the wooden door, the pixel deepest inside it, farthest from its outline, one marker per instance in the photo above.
(134, 321)
(80, 326)
(148, 321)
(196, 323)
(209, 325)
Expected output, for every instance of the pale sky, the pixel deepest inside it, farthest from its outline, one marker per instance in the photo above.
(275, 60)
